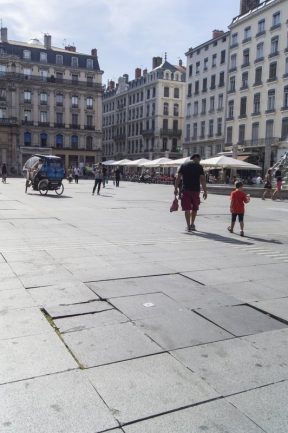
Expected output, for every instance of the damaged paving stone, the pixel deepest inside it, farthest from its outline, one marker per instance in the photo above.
(58, 311)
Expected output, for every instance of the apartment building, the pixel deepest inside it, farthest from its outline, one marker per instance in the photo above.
(50, 102)
(206, 96)
(257, 100)
(143, 117)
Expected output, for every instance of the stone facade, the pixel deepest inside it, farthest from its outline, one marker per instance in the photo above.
(50, 102)
(206, 96)
(143, 117)
(257, 102)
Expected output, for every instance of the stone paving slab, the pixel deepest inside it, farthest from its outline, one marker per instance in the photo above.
(37, 355)
(10, 284)
(29, 256)
(6, 271)
(21, 323)
(265, 406)
(214, 417)
(178, 329)
(273, 343)
(77, 309)
(154, 384)
(144, 306)
(241, 320)
(19, 298)
(138, 286)
(249, 291)
(62, 294)
(98, 346)
(234, 366)
(87, 321)
(276, 307)
(60, 403)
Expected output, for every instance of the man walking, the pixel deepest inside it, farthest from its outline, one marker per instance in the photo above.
(98, 173)
(190, 175)
(76, 174)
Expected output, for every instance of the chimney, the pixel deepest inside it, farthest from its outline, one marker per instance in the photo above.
(180, 62)
(111, 85)
(217, 33)
(138, 73)
(126, 77)
(4, 34)
(156, 61)
(47, 41)
(247, 5)
(145, 72)
(71, 48)
(94, 52)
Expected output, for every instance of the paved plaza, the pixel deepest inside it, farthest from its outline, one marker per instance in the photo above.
(114, 319)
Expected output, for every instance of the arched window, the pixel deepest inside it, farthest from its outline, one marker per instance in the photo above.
(74, 141)
(43, 139)
(59, 140)
(89, 143)
(27, 139)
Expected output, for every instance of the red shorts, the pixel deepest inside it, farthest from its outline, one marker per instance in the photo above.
(190, 200)
(279, 185)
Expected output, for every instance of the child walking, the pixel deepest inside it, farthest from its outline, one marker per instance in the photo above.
(237, 207)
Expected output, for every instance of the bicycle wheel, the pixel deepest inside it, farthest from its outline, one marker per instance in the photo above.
(60, 190)
(43, 187)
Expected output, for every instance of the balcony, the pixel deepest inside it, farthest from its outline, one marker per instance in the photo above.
(89, 127)
(259, 59)
(27, 122)
(234, 45)
(59, 125)
(46, 124)
(270, 80)
(15, 77)
(276, 26)
(148, 132)
(233, 69)
(8, 121)
(262, 33)
(261, 142)
(245, 65)
(74, 126)
(249, 39)
(275, 54)
(171, 132)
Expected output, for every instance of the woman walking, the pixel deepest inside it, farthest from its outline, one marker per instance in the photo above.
(268, 184)
(4, 172)
(98, 176)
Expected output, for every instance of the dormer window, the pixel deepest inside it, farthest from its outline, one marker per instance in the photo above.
(43, 57)
(89, 63)
(74, 62)
(27, 54)
(59, 59)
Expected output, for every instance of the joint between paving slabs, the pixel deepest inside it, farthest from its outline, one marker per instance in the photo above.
(273, 316)
(133, 277)
(51, 323)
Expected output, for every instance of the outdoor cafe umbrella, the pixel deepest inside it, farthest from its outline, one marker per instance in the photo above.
(109, 162)
(160, 162)
(137, 162)
(121, 162)
(227, 162)
(177, 162)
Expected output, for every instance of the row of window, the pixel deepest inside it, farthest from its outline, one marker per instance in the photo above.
(206, 63)
(271, 104)
(44, 118)
(43, 58)
(221, 83)
(59, 99)
(58, 140)
(204, 107)
(246, 57)
(200, 130)
(269, 132)
(247, 36)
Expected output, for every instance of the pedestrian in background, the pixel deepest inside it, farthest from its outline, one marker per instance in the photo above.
(117, 176)
(98, 176)
(104, 171)
(279, 180)
(76, 174)
(237, 207)
(4, 172)
(267, 184)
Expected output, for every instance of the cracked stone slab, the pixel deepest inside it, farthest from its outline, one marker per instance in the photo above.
(214, 417)
(144, 306)
(87, 321)
(154, 384)
(21, 323)
(236, 365)
(139, 286)
(241, 320)
(37, 355)
(62, 403)
(113, 343)
(276, 307)
(178, 329)
(77, 309)
(10, 299)
(62, 294)
(265, 406)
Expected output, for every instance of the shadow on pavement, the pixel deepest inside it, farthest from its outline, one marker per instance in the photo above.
(218, 238)
(268, 241)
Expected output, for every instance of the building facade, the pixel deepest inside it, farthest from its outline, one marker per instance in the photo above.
(50, 102)
(143, 117)
(206, 96)
(257, 102)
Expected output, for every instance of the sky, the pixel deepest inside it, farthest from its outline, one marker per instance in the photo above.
(127, 33)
